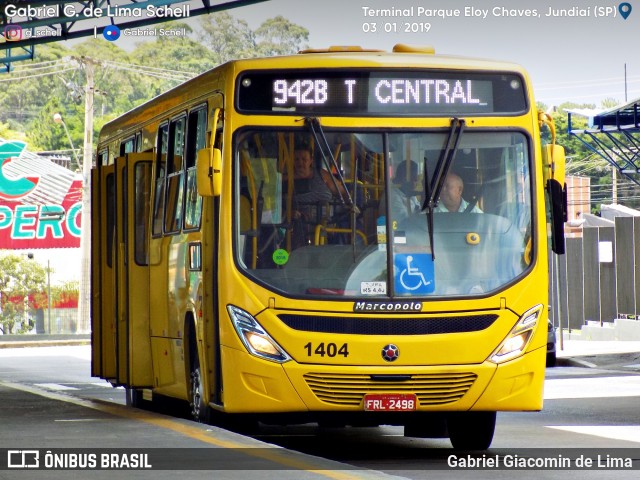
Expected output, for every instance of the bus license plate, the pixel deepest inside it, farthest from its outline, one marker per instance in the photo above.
(390, 402)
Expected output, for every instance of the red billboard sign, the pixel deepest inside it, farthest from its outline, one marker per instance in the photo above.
(40, 202)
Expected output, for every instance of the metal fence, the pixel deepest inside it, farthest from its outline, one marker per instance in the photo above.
(596, 279)
(60, 320)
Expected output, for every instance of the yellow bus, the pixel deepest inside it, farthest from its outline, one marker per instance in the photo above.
(340, 236)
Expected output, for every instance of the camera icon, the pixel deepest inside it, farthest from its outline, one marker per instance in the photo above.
(13, 33)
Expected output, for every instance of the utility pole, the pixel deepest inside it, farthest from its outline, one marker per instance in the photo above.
(84, 321)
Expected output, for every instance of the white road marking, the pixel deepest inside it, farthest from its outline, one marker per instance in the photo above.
(598, 387)
(629, 433)
(73, 420)
(56, 387)
(104, 384)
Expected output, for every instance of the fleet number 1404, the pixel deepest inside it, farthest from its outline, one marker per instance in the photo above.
(330, 350)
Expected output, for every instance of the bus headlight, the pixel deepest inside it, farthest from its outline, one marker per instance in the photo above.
(516, 342)
(253, 336)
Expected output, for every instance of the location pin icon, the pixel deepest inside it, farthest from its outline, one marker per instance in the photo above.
(624, 9)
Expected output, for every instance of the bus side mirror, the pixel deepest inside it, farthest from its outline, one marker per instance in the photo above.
(209, 172)
(558, 208)
(553, 163)
(553, 171)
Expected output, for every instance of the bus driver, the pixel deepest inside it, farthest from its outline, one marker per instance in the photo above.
(451, 196)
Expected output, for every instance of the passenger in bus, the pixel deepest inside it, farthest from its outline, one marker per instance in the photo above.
(310, 184)
(313, 190)
(451, 197)
(402, 197)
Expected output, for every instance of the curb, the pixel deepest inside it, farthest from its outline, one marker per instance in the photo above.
(43, 340)
(573, 362)
(43, 343)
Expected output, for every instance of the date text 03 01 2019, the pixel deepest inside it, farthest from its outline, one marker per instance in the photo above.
(396, 27)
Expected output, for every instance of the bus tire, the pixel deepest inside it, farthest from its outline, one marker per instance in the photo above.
(200, 410)
(133, 398)
(471, 430)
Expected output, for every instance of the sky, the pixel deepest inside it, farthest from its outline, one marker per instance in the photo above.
(580, 59)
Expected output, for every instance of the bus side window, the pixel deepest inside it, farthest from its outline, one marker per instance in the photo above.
(127, 146)
(161, 158)
(196, 140)
(111, 217)
(103, 158)
(142, 205)
(175, 176)
(138, 144)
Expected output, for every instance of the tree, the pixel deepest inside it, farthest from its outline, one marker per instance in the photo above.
(22, 283)
(45, 134)
(227, 37)
(278, 36)
(174, 54)
(7, 133)
(66, 293)
(230, 38)
(609, 103)
(26, 90)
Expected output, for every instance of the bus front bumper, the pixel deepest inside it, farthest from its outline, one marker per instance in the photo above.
(252, 385)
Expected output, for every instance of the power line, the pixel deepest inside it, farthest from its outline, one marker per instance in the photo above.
(163, 76)
(27, 77)
(149, 68)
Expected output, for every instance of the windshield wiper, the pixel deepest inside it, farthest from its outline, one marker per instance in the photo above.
(331, 165)
(433, 187)
(328, 159)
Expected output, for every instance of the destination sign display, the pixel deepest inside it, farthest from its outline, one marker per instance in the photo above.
(375, 92)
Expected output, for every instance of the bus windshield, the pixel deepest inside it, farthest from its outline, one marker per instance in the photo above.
(349, 218)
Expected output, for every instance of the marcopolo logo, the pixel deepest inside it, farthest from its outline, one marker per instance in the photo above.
(387, 307)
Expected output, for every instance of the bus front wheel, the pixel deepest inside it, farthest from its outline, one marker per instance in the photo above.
(200, 411)
(471, 430)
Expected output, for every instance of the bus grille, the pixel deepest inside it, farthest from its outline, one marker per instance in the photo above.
(350, 389)
(389, 326)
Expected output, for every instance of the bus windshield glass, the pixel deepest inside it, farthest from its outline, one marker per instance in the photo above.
(304, 230)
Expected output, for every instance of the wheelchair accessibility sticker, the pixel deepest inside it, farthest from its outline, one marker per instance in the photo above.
(414, 273)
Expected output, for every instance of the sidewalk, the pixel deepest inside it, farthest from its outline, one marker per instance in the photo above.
(572, 351)
(577, 348)
(43, 340)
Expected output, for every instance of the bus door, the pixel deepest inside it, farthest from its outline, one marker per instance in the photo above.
(103, 262)
(132, 212)
(96, 319)
(209, 189)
